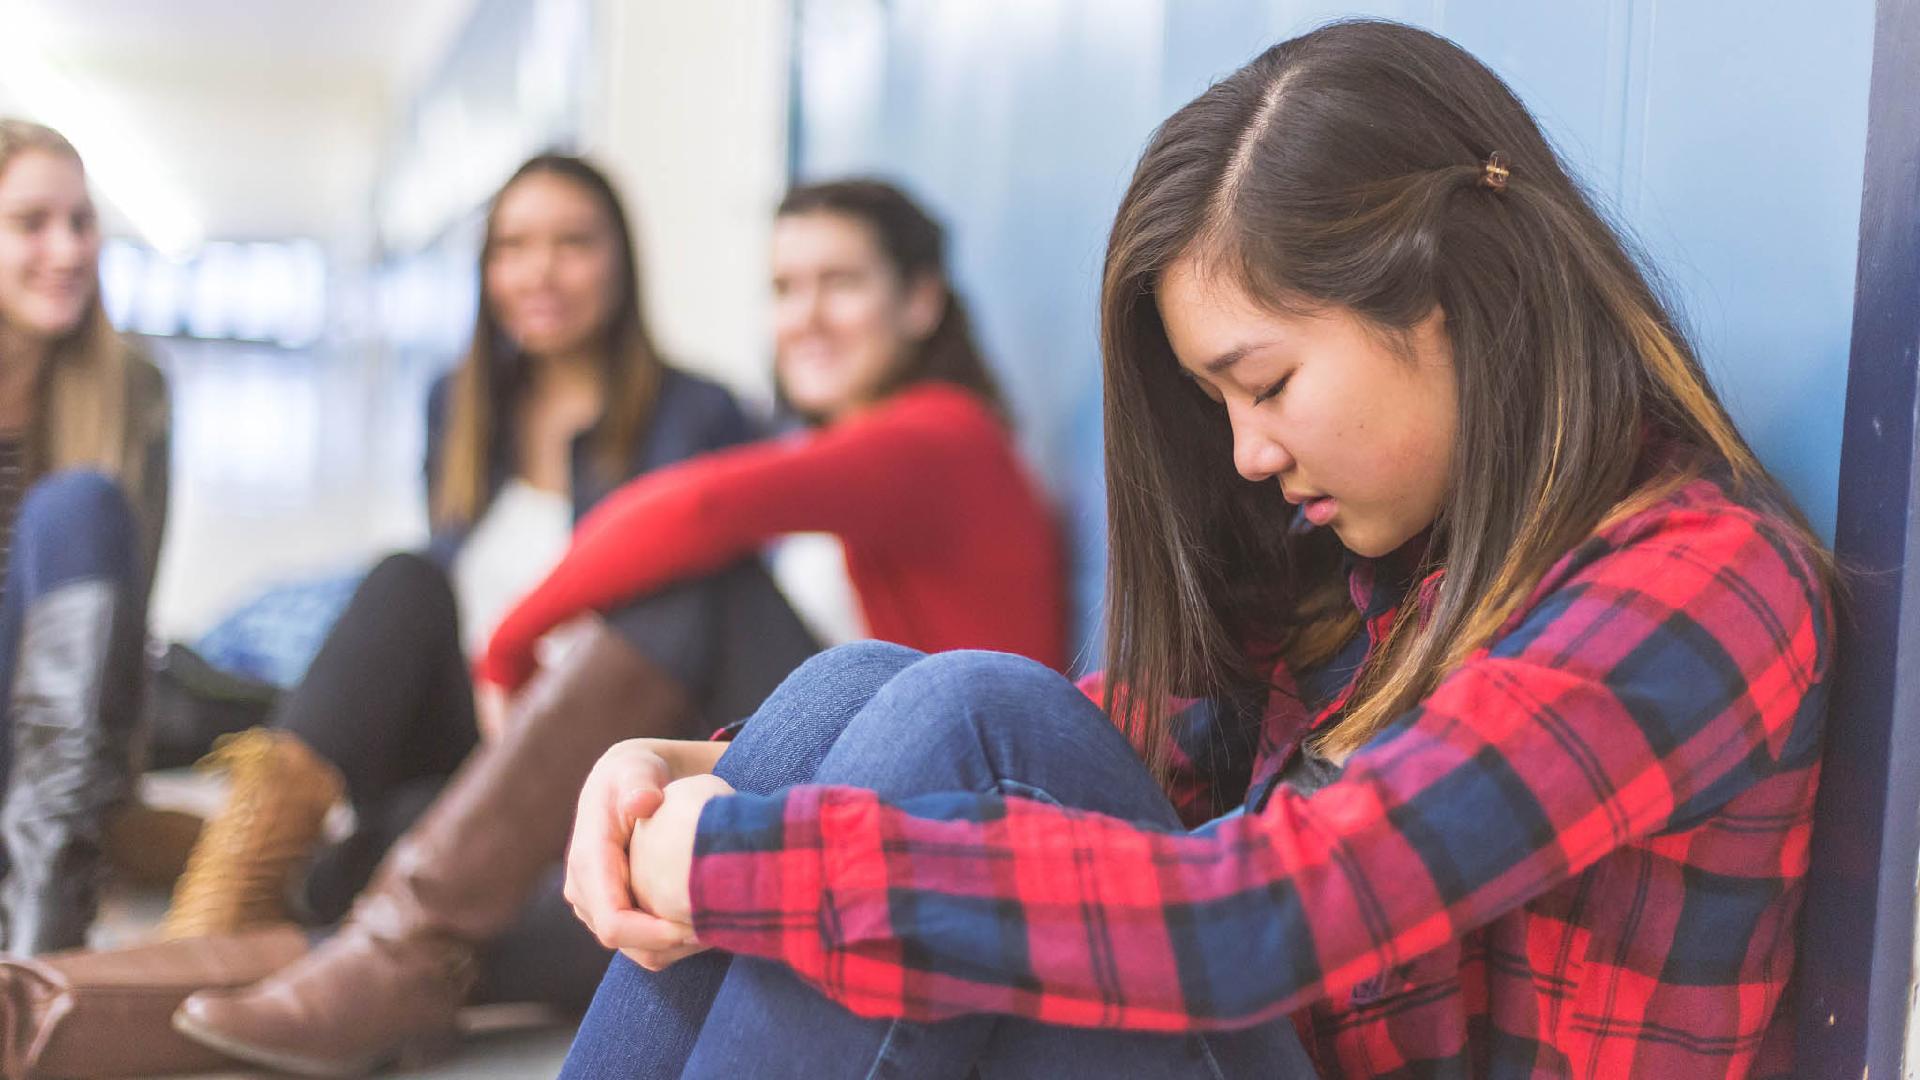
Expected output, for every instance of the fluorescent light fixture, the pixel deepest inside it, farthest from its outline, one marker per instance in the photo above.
(124, 170)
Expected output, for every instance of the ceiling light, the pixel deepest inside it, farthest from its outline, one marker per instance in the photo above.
(125, 171)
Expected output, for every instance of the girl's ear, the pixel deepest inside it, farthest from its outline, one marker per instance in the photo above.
(926, 306)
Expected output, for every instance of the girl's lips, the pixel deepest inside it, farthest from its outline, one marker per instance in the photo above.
(539, 312)
(57, 286)
(1321, 509)
(815, 353)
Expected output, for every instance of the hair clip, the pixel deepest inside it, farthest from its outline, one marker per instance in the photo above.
(1495, 174)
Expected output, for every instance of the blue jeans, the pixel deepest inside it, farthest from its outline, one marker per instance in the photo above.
(71, 527)
(888, 718)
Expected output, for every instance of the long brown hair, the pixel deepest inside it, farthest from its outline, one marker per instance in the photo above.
(1345, 168)
(916, 247)
(495, 371)
(80, 409)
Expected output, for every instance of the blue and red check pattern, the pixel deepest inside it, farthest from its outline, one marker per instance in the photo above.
(1582, 855)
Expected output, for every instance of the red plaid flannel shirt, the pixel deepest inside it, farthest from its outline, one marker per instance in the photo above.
(1582, 855)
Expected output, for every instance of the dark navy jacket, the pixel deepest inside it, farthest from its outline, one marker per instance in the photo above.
(692, 416)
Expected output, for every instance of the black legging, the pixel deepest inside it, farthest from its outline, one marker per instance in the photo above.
(389, 701)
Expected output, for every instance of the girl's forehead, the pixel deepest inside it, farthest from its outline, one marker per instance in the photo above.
(542, 199)
(826, 229)
(1202, 305)
(42, 175)
(1188, 291)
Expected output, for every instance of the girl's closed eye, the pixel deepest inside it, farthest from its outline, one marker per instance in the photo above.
(1273, 391)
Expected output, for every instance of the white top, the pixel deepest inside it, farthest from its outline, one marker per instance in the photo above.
(526, 530)
(811, 569)
(521, 536)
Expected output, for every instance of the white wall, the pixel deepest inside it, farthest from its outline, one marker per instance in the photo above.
(691, 121)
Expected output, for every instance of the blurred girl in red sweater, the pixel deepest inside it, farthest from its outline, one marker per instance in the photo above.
(949, 543)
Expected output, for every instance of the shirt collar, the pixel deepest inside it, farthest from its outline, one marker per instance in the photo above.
(1380, 584)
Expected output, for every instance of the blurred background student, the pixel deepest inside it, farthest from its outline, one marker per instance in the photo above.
(562, 396)
(83, 497)
(949, 544)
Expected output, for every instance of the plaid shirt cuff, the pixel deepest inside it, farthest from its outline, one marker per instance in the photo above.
(758, 886)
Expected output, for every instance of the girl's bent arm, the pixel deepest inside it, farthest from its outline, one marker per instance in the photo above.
(870, 479)
(1657, 674)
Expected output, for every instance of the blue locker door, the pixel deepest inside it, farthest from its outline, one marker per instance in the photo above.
(1730, 138)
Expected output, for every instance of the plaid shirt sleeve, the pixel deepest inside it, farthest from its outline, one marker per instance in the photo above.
(1208, 752)
(1658, 671)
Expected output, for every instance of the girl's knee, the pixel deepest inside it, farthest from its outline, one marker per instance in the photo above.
(978, 690)
(968, 674)
(795, 727)
(73, 500)
(977, 721)
(75, 523)
(410, 575)
(861, 665)
(411, 589)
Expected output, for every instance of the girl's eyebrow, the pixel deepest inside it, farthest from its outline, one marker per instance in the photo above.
(1233, 356)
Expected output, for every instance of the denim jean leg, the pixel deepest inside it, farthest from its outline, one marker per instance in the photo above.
(988, 723)
(642, 1023)
(793, 731)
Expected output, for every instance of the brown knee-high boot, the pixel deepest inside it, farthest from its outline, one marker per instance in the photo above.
(391, 980)
(83, 1015)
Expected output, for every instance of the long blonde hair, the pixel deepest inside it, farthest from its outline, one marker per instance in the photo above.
(79, 417)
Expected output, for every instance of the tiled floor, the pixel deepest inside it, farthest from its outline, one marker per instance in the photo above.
(287, 463)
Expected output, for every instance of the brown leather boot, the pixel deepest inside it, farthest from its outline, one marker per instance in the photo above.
(391, 981)
(278, 795)
(107, 1014)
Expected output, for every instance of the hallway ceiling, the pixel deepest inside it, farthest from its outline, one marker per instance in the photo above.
(245, 119)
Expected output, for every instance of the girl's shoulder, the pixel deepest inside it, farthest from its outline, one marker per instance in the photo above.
(142, 373)
(940, 407)
(146, 384)
(1700, 534)
(694, 414)
(1704, 504)
(681, 387)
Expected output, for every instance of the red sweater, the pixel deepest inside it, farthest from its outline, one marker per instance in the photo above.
(949, 542)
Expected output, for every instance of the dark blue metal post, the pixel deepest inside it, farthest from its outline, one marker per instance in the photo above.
(1857, 943)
